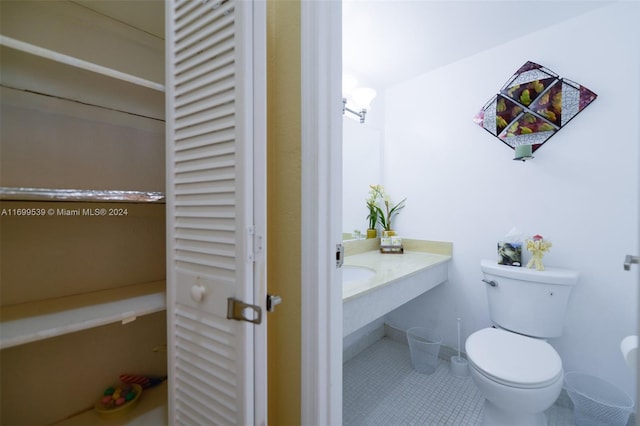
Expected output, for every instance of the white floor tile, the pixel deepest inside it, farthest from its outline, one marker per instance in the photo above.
(381, 388)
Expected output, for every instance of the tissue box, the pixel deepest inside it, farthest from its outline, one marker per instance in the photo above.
(509, 254)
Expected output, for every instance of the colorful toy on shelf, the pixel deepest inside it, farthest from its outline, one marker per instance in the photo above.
(121, 398)
(118, 399)
(144, 381)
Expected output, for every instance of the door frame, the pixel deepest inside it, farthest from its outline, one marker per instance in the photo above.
(321, 106)
(259, 116)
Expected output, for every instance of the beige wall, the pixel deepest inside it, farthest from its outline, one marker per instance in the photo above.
(283, 209)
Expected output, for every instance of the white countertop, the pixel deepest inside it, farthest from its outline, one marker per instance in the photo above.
(389, 268)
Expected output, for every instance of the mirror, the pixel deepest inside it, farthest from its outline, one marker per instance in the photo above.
(361, 167)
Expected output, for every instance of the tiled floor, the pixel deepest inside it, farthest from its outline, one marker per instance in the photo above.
(381, 388)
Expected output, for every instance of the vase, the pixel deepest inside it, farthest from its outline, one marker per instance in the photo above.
(372, 233)
(389, 233)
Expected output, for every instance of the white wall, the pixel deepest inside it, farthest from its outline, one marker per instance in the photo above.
(362, 150)
(581, 191)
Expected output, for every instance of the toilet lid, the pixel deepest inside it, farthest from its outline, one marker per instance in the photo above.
(513, 359)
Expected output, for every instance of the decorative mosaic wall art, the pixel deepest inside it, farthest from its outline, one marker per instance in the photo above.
(533, 106)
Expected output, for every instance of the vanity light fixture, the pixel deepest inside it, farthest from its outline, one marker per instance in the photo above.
(356, 100)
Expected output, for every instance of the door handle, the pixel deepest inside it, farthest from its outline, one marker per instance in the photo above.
(240, 311)
(628, 260)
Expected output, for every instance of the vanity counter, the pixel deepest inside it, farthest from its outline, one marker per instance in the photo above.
(395, 279)
(389, 268)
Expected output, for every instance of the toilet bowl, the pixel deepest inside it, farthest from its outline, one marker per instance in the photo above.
(519, 376)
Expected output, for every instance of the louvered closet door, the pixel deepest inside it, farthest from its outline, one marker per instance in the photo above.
(215, 168)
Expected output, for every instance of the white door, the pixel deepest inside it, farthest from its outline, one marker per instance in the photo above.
(216, 135)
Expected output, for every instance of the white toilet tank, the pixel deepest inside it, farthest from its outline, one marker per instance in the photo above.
(527, 301)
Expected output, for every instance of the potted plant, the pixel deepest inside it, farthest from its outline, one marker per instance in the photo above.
(390, 210)
(374, 210)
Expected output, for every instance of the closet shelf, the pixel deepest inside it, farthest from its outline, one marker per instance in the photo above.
(91, 195)
(30, 322)
(77, 63)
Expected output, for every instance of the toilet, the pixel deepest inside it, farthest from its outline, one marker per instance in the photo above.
(519, 374)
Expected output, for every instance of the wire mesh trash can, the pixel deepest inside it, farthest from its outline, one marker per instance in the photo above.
(597, 402)
(424, 347)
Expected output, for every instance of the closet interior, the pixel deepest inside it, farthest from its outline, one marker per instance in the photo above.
(82, 224)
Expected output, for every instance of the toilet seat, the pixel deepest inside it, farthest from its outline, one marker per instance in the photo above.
(512, 359)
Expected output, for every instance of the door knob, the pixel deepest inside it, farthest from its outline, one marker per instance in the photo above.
(197, 292)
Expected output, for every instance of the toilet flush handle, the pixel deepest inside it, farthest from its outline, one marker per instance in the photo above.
(491, 283)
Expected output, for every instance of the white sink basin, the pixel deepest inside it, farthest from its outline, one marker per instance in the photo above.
(352, 274)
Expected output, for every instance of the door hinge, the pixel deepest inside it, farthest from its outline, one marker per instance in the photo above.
(238, 310)
(255, 244)
(339, 255)
(251, 231)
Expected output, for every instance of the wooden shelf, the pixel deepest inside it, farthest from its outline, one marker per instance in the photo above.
(150, 410)
(30, 322)
(78, 63)
(90, 195)
(44, 72)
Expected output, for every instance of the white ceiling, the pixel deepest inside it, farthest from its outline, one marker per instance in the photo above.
(388, 41)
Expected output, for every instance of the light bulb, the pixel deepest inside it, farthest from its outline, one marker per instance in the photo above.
(362, 97)
(348, 84)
